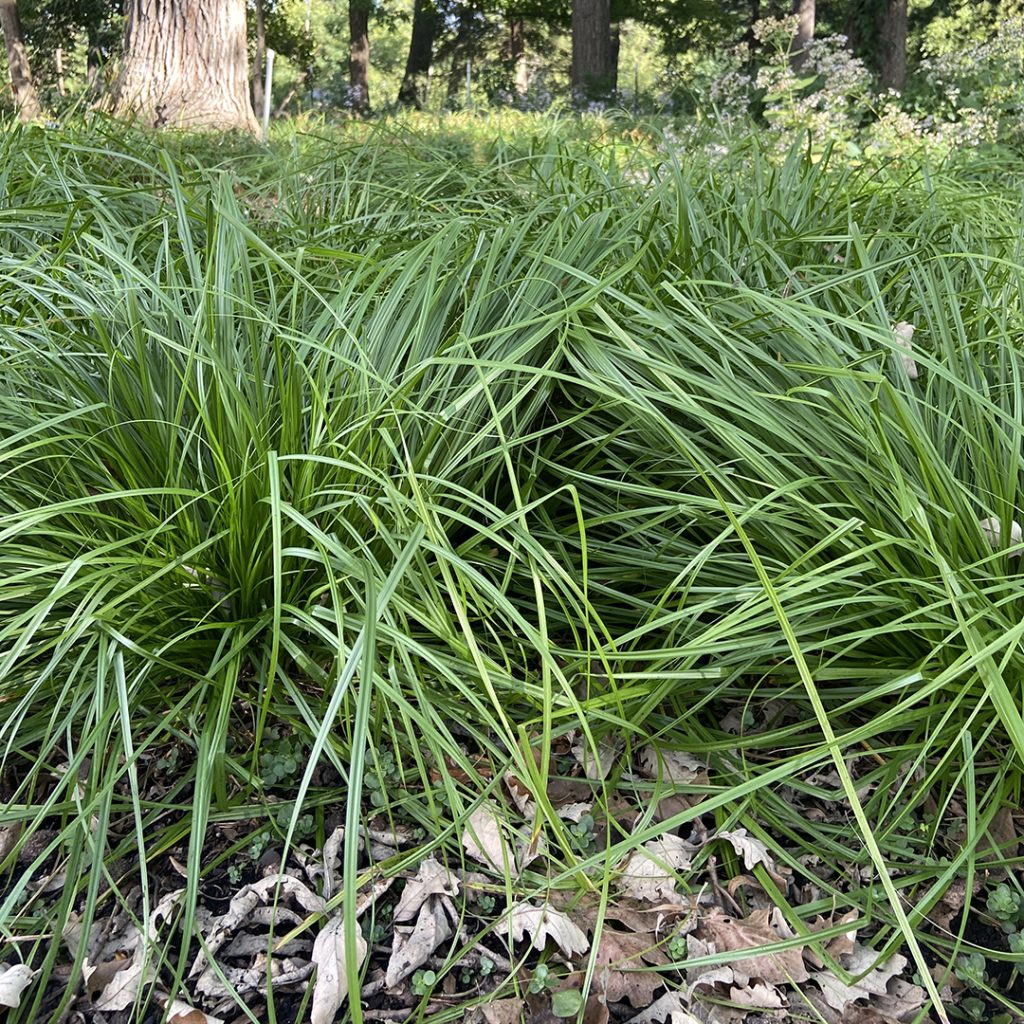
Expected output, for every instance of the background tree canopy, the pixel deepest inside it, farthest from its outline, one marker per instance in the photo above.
(362, 55)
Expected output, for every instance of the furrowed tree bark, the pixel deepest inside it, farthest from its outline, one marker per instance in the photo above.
(258, 57)
(186, 65)
(591, 49)
(359, 55)
(413, 91)
(517, 53)
(893, 44)
(26, 100)
(804, 11)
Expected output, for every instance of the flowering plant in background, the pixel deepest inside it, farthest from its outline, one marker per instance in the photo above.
(966, 97)
(827, 93)
(830, 96)
(980, 84)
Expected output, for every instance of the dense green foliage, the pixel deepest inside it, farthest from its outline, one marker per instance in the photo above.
(668, 52)
(429, 448)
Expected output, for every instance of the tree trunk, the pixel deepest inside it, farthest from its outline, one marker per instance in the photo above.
(616, 45)
(749, 38)
(462, 50)
(413, 91)
(25, 98)
(259, 56)
(359, 55)
(893, 44)
(591, 49)
(517, 53)
(186, 65)
(804, 11)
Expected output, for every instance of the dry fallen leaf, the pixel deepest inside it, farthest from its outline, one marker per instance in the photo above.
(667, 1009)
(758, 995)
(411, 947)
(242, 980)
(650, 872)
(162, 911)
(121, 991)
(596, 764)
(992, 528)
(728, 934)
(521, 795)
(543, 923)
(181, 1013)
(902, 1000)
(118, 980)
(500, 1011)
(98, 976)
(13, 981)
(329, 955)
(751, 849)
(574, 811)
(903, 332)
(838, 995)
(677, 917)
(838, 946)
(332, 861)
(855, 1013)
(621, 966)
(71, 934)
(432, 879)
(707, 975)
(483, 841)
(674, 766)
(243, 907)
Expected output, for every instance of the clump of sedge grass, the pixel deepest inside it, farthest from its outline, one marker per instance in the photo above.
(396, 452)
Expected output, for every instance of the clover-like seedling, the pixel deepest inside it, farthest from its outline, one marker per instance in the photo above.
(970, 969)
(282, 758)
(541, 979)
(1004, 904)
(567, 1003)
(582, 832)
(423, 982)
(973, 1008)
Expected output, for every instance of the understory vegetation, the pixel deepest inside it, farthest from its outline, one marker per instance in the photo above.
(548, 503)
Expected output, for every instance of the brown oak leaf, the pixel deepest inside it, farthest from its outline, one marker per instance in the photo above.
(621, 966)
(775, 966)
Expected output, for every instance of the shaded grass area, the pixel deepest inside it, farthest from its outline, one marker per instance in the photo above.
(340, 479)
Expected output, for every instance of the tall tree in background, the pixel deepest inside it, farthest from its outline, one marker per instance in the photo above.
(592, 72)
(892, 40)
(186, 65)
(804, 11)
(413, 91)
(359, 54)
(471, 29)
(517, 54)
(259, 57)
(25, 98)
